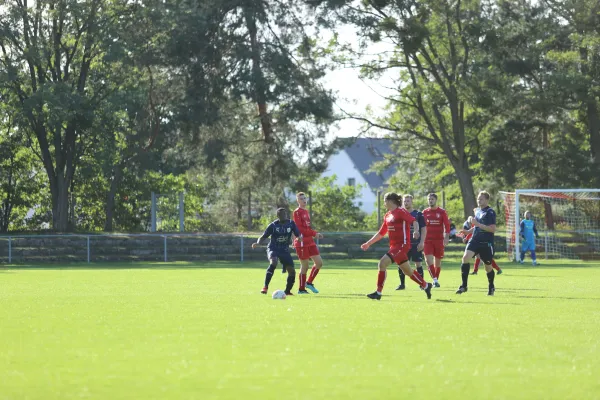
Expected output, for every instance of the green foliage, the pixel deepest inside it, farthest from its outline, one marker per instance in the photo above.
(334, 207)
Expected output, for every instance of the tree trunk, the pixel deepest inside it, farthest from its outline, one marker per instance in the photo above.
(593, 122)
(545, 181)
(60, 202)
(465, 182)
(110, 197)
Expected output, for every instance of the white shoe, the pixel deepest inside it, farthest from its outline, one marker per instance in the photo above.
(534, 263)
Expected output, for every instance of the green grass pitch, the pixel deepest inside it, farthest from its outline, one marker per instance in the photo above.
(203, 331)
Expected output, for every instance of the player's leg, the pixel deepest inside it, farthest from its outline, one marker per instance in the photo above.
(270, 272)
(416, 277)
(304, 263)
(288, 263)
(487, 255)
(317, 264)
(476, 266)
(465, 268)
(418, 259)
(496, 267)
(533, 256)
(428, 251)
(384, 262)
(411, 257)
(437, 262)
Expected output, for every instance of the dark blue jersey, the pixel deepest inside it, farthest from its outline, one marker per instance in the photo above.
(280, 233)
(485, 216)
(418, 215)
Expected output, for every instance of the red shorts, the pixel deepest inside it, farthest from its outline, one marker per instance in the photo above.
(399, 254)
(435, 248)
(306, 252)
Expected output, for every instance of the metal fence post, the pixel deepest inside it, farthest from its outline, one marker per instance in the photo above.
(9, 249)
(165, 247)
(153, 212)
(242, 248)
(181, 212)
(88, 249)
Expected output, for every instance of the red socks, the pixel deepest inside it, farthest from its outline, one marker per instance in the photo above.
(476, 266)
(495, 266)
(381, 275)
(302, 281)
(432, 271)
(419, 279)
(437, 272)
(313, 274)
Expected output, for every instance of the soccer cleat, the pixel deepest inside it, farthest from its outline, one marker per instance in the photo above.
(499, 272)
(289, 293)
(474, 273)
(264, 290)
(534, 263)
(520, 261)
(428, 290)
(436, 284)
(491, 291)
(312, 287)
(374, 296)
(303, 292)
(401, 287)
(461, 290)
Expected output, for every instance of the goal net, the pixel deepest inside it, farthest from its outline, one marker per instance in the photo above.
(567, 220)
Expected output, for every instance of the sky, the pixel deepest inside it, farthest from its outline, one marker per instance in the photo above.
(354, 94)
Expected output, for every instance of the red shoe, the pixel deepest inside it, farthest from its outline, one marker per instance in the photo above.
(264, 290)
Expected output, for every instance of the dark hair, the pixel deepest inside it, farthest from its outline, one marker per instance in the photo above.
(432, 195)
(395, 197)
(281, 212)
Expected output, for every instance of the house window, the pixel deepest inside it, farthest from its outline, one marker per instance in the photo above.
(351, 182)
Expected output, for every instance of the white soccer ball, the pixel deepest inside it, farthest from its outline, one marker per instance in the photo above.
(279, 295)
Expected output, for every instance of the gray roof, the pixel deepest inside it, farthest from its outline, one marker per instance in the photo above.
(364, 152)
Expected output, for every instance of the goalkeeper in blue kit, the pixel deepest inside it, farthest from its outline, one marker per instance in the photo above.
(529, 233)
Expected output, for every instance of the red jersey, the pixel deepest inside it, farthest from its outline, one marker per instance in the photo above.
(437, 222)
(396, 224)
(302, 219)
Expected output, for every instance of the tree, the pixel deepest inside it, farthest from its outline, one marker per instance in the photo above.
(56, 59)
(334, 207)
(434, 49)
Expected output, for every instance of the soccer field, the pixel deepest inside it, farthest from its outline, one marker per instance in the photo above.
(198, 331)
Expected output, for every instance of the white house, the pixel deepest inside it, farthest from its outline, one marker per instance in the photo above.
(351, 166)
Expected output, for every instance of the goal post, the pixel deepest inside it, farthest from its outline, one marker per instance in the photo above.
(568, 221)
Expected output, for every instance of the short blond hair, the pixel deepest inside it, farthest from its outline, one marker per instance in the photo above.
(484, 193)
(300, 194)
(408, 196)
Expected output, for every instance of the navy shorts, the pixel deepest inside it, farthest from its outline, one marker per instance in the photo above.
(284, 257)
(485, 250)
(414, 255)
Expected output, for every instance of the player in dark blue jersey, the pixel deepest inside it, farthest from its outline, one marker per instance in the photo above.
(481, 243)
(415, 254)
(280, 233)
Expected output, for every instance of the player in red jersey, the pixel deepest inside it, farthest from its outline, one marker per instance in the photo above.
(438, 235)
(396, 223)
(307, 249)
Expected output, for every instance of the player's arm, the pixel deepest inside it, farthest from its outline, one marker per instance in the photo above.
(446, 222)
(297, 232)
(423, 232)
(376, 238)
(491, 223)
(535, 230)
(416, 231)
(268, 232)
(522, 229)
